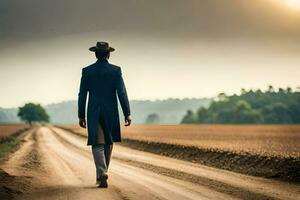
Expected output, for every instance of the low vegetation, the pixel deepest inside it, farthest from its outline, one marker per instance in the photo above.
(7, 144)
(8, 137)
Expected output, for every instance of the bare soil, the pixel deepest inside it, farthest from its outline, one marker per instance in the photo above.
(59, 165)
(270, 151)
(7, 130)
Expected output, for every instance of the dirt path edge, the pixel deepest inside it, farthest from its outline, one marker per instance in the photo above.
(274, 167)
(280, 168)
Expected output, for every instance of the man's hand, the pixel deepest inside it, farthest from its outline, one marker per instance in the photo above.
(127, 120)
(82, 123)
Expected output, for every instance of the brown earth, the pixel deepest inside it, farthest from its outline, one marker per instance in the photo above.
(271, 151)
(265, 140)
(57, 164)
(7, 130)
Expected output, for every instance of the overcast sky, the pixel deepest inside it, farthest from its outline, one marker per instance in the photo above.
(166, 48)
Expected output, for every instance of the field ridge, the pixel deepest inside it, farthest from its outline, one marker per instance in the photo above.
(282, 168)
(286, 168)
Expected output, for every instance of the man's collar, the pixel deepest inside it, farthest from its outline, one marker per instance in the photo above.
(102, 60)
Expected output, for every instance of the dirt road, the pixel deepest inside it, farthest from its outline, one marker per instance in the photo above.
(61, 167)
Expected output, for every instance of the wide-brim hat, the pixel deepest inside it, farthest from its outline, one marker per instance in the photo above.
(101, 47)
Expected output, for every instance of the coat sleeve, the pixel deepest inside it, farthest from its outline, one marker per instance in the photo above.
(82, 96)
(122, 94)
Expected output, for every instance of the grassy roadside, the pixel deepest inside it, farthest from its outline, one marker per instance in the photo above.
(8, 144)
(10, 185)
(11, 143)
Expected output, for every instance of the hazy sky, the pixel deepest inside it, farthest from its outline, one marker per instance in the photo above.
(166, 48)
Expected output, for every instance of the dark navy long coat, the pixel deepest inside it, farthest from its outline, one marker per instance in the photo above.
(102, 82)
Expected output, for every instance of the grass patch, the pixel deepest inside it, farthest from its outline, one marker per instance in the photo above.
(8, 144)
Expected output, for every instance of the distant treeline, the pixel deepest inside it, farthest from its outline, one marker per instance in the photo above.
(159, 111)
(270, 107)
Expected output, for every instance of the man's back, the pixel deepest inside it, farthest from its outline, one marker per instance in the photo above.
(101, 82)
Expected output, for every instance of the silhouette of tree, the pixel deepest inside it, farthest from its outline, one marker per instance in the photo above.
(271, 88)
(189, 118)
(222, 96)
(31, 113)
(203, 115)
(289, 90)
(243, 91)
(152, 118)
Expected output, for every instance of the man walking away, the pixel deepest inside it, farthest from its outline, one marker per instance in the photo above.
(103, 83)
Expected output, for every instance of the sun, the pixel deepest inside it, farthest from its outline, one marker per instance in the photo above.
(293, 3)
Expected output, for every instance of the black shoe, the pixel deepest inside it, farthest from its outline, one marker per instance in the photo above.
(103, 184)
(102, 181)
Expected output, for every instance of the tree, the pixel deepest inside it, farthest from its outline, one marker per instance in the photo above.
(289, 90)
(270, 89)
(189, 118)
(202, 115)
(272, 106)
(245, 114)
(281, 90)
(242, 112)
(222, 96)
(277, 113)
(152, 119)
(243, 91)
(31, 113)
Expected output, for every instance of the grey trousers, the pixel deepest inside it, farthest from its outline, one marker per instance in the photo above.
(102, 155)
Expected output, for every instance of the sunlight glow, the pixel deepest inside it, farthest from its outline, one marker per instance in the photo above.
(293, 3)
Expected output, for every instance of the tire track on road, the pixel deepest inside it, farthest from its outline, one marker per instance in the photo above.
(209, 183)
(191, 192)
(215, 185)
